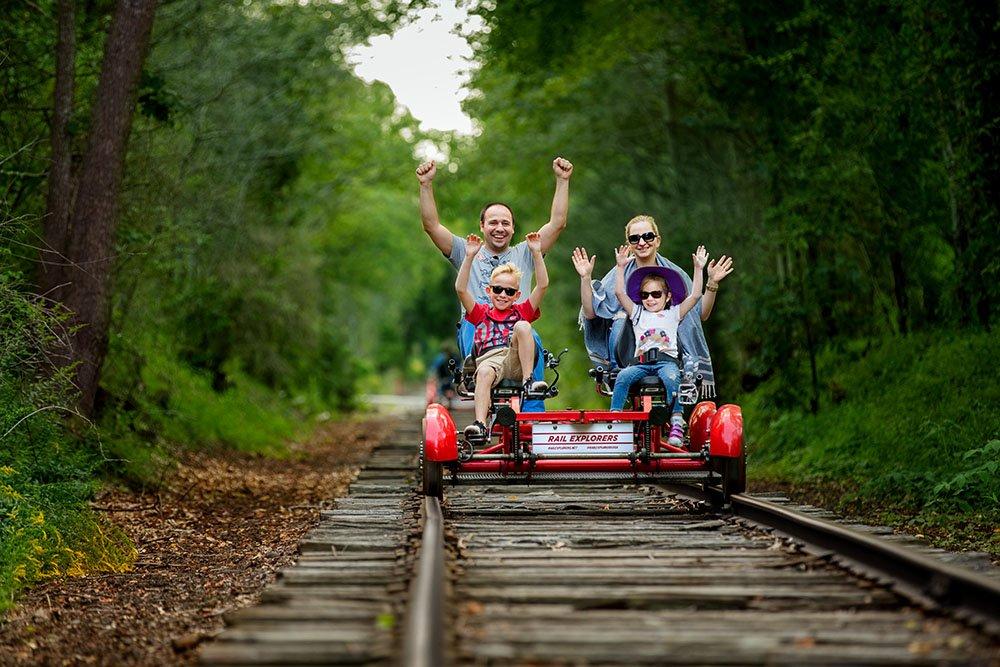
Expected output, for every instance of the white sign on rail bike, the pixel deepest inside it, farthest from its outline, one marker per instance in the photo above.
(582, 439)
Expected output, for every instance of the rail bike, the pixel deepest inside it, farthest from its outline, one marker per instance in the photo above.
(579, 445)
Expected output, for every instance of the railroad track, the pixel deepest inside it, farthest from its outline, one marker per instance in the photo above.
(610, 574)
(580, 573)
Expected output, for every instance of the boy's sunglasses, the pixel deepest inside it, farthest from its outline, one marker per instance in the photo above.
(656, 294)
(647, 237)
(509, 291)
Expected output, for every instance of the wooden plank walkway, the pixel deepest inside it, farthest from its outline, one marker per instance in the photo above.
(341, 602)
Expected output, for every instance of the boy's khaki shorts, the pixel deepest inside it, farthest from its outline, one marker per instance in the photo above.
(503, 361)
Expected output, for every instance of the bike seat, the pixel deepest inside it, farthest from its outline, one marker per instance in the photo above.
(507, 388)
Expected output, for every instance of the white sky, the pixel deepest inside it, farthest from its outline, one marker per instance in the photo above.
(423, 64)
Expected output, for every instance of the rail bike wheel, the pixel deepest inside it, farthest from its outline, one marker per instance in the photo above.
(431, 475)
(437, 447)
(734, 474)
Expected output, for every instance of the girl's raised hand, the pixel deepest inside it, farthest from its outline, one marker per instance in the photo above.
(719, 269)
(534, 240)
(583, 266)
(700, 258)
(622, 255)
(472, 245)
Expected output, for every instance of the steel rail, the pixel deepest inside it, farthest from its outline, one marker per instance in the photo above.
(924, 580)
(423, 642)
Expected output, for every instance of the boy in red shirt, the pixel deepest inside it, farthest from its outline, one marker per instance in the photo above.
(503, 343)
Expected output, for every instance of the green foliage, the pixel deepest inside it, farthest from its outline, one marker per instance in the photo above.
(264, 185)
(271, 236)
(906, 424)
(158, 402)
(825, 146)
(46, 477)
(46, 528)
(975, 486)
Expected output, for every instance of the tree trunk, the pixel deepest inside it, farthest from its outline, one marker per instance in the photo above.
(94, 218)
(899, 291)
(959, 234)
(55, 233)
(824, 300)
(805, 295)
(670, 133)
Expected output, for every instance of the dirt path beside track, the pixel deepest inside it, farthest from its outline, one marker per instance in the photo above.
(208, 542)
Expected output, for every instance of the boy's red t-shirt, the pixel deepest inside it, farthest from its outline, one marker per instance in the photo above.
(494, 327)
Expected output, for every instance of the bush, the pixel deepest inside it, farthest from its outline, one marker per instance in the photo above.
(907, 425)
(155, 401)
(974, 487)
(46, 475)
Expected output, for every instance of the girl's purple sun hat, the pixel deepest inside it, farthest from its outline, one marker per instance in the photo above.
(675, 283)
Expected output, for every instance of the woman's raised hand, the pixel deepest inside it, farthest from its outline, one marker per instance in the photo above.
(622, 255)
(700, 258)
(472, 245)
(720, 268)
(584, 266)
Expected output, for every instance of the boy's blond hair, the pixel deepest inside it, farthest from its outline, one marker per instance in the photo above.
(507, 268)
(642, 218)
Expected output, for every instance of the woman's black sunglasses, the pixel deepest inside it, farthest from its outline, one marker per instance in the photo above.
(647, 237)
(509, 291)
(656, 294)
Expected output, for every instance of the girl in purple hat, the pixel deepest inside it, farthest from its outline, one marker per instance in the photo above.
(655, 303)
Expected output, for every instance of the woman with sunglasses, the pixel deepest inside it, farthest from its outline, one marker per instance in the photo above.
(603, 319)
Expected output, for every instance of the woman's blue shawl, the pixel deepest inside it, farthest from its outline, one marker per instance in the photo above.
(601, 333)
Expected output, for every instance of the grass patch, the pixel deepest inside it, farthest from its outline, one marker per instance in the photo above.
(157, 403)
(908, 434)
(46, 475)
(151, 405)
(46, 528)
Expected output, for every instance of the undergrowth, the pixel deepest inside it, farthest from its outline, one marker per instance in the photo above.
(47, 475)
(47, 528)
(155, 403)
(53, 461)
(908, 433)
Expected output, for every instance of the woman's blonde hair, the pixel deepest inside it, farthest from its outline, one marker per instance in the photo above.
(642, 218)
(507, 268)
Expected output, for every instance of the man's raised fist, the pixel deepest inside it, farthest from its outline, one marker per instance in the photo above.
(426, 172)
(562, 167)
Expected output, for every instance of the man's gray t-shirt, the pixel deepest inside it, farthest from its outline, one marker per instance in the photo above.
(484, 263)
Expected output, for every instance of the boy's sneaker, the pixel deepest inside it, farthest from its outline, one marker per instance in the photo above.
(676, 437)
(475, 431)
(535, 388)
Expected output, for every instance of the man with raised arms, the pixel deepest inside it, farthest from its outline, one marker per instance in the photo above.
(496, 223)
